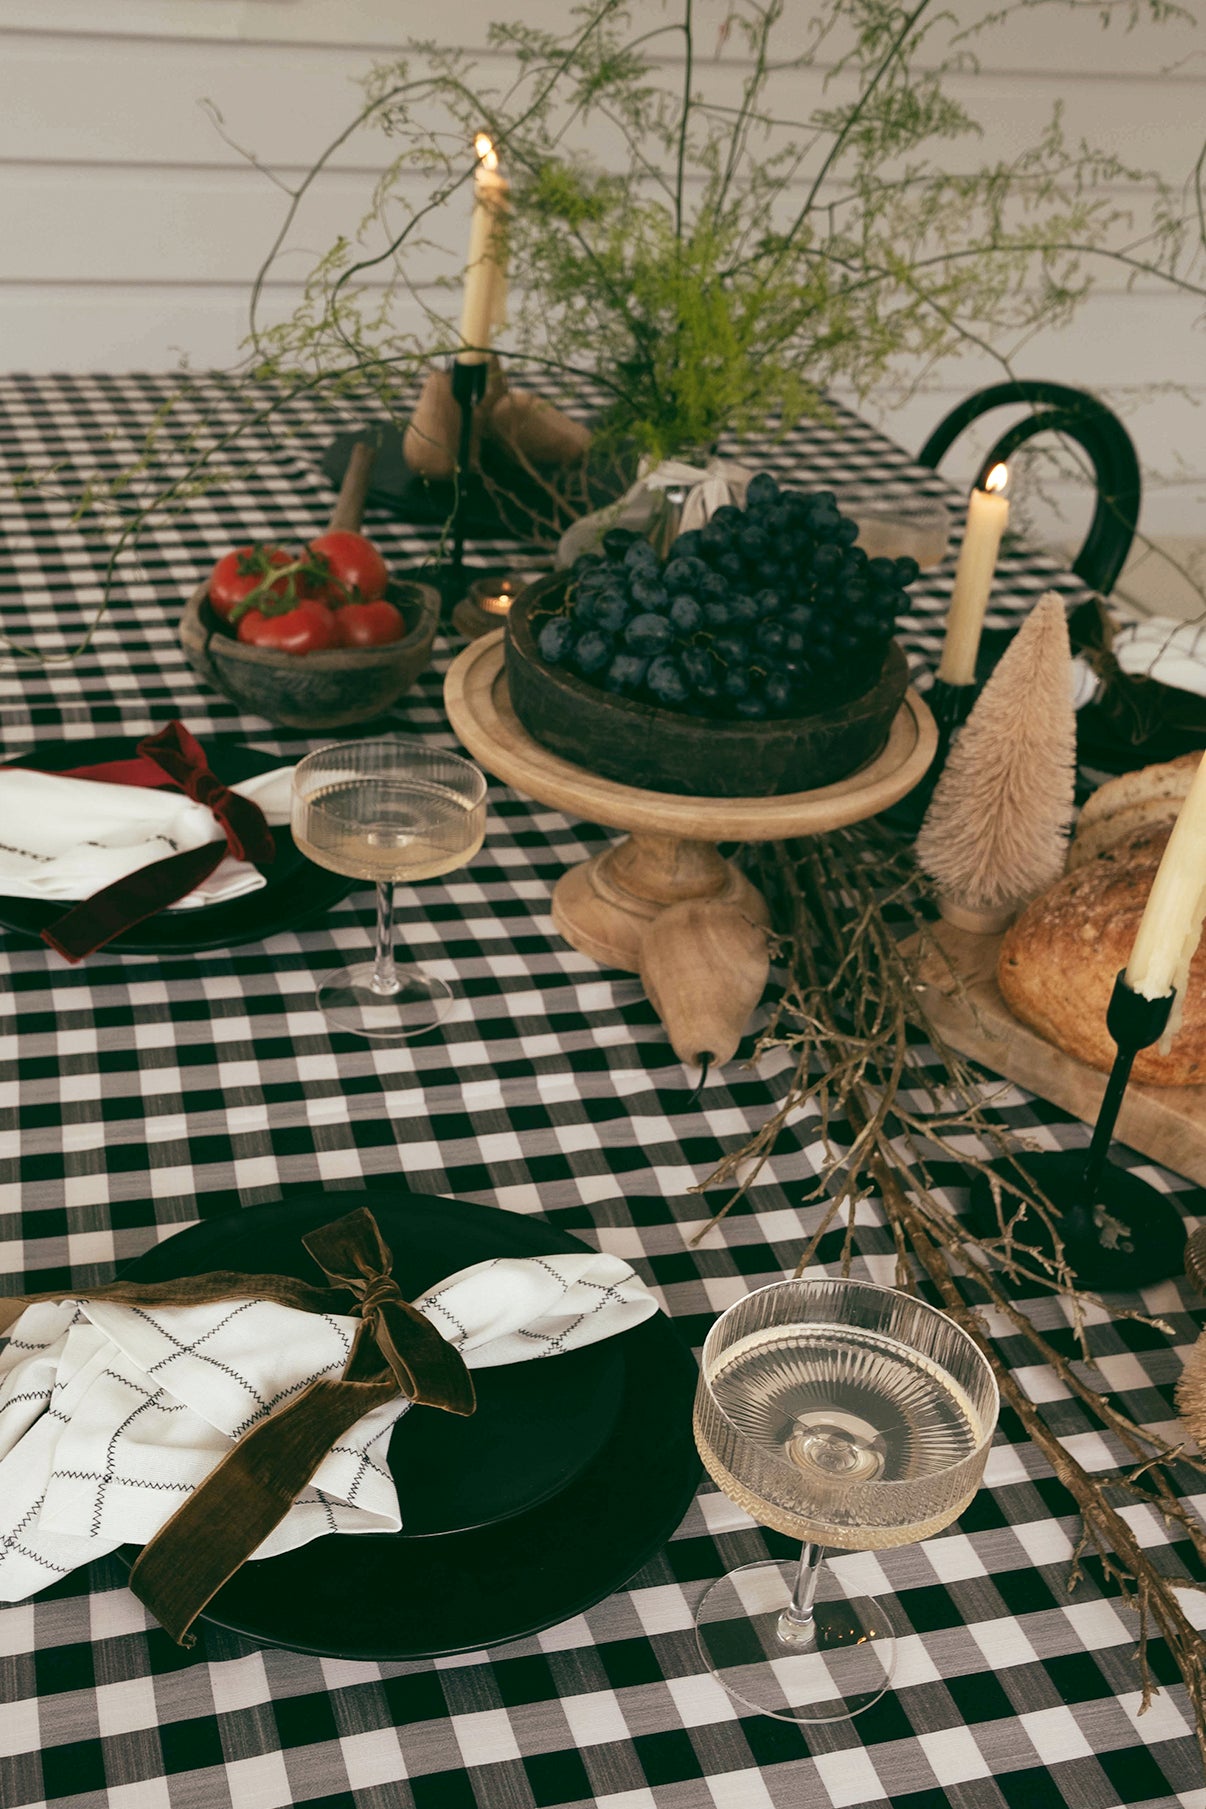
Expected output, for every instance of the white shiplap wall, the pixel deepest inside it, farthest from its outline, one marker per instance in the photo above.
(129, 229)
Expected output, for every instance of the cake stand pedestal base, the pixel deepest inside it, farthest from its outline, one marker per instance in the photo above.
(669, 855)
(604, 906)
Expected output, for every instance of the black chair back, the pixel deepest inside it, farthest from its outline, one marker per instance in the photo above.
(1060, 409)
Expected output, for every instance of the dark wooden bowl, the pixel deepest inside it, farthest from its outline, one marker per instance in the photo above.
(663, 750)
(314, 690)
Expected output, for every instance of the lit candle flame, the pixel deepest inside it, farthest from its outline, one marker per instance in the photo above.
(997, 479)
(497, 602)
(487, 156)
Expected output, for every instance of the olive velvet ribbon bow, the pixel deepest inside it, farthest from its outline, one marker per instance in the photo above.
(396, 1350)
(171, 759)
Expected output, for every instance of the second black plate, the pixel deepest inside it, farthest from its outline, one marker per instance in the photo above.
(296, 890)
(541, 1520)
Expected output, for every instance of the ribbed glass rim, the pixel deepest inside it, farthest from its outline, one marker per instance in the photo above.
(474, 795)
(870, 1287)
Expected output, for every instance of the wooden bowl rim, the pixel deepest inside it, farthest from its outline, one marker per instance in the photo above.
(518, 629)
(331, 659)
(477, 700)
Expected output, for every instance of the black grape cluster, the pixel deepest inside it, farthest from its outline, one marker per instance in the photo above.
(766, 611)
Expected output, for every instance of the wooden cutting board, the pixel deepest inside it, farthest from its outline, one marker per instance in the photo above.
(1166, 1123)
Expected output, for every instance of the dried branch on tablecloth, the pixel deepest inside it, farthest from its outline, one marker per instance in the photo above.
(996, 833)
(1124, 1562)
(868, 1060)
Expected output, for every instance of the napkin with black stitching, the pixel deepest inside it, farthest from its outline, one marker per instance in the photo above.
(111, 1415)
(63, 839)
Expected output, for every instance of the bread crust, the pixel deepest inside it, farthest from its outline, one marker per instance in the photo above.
(1094, 838)
(1169, 779)
(1058, 962)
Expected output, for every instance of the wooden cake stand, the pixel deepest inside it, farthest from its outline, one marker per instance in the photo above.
(669, 855)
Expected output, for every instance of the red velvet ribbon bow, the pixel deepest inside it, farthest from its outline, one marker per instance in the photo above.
(172, 760)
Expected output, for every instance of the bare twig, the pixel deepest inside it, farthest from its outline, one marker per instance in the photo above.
(850, 1011)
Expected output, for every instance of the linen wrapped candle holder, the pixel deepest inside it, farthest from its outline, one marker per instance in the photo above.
(205, 1419)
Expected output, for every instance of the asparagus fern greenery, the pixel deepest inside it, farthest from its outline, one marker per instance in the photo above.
(730, 253)
(779, 200)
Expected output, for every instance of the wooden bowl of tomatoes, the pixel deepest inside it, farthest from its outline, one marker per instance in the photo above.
(318, 639)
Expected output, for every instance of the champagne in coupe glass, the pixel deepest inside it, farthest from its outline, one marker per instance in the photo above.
(387, 810)
(841, 1414)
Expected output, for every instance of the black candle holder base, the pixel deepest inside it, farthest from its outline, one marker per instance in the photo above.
(1136, 1235)
(453, 582)
(468, 616)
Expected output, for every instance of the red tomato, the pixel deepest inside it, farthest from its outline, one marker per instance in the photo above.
(236, 574)
(307, 629)
(369, 624)
(353, 563)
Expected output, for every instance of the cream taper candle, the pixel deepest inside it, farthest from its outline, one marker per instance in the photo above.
(485, 282)
(1172, 917)
(987, 516)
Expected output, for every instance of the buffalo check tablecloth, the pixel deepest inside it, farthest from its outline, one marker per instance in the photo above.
(139, 1095)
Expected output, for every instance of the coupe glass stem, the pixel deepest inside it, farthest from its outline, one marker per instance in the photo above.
(385, 975)
(797, 1625)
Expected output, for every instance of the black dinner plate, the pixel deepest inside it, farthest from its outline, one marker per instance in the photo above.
(296, 890)
(573, 1471)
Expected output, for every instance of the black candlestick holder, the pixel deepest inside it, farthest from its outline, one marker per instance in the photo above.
(451, 577)
(950, 706)
(468, 388)
(1117, 1231)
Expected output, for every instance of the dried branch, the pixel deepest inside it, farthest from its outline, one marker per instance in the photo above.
(850, 1011)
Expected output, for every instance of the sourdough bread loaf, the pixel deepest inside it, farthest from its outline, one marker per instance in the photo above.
(1095, 837)
(1058, 962)
(1169, 781)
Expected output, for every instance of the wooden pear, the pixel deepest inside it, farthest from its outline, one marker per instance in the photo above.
(531, 428)
(430, 441)
(704, 966)
(432, 436)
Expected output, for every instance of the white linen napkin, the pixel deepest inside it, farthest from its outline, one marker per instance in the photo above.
(1162, 648)
(708, 487)
(64, 839)
(111, 1415)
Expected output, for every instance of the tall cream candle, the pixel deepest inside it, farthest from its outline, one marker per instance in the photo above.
(485, 282)
(1172, 917)
(987, 516)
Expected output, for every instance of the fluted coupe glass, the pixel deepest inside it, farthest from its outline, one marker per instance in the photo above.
(841, 1414)
(388, 809)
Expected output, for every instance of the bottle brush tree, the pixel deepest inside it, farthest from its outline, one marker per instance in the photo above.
(996, 833)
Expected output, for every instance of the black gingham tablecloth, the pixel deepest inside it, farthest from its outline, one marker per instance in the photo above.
(140, 1095)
